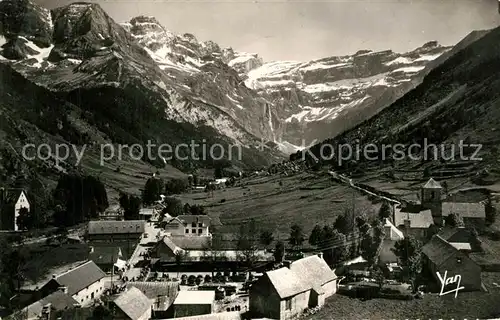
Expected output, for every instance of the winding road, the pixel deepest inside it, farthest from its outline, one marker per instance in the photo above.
(351, 184)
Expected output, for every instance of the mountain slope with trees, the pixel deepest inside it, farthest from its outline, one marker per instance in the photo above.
(456, 103)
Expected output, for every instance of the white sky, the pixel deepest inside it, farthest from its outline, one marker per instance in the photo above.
(305, 30)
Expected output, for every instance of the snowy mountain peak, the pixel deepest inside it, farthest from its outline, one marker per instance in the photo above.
(311, 95)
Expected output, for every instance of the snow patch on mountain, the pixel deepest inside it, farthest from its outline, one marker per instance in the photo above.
(410, 69)
(332, 85)
(43, 53)
(399, 60)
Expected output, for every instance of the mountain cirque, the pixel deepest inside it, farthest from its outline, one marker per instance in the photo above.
(79, 47)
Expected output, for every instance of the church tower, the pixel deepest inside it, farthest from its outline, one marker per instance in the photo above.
(430, 198)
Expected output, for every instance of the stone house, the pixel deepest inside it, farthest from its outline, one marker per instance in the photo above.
(84, 283)
(286, 292)
(442, 257)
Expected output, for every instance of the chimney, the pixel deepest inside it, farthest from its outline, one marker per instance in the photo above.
(287, 263)
(54, 276)
(320, 255)
(46, 311)
(63, 289)
(91, 249)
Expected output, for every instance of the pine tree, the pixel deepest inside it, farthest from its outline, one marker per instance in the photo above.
(316, 235)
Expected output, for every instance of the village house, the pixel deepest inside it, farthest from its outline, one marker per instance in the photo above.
(356, 267)
(193, 303)
(113, 212)
(315, 270)
(392, 235)
(189, 225)
(11, 202)
(132, 304)
(115, 230)
(442, 256)
(50, 306)
(161, 293)
(415, 219)
(413, 222)
(197, 249)
(147, 213)
(83, 283)
(279, 294)
(105, 257)
(461, 238)
(472, 214)
(286, 292)
(166, 249)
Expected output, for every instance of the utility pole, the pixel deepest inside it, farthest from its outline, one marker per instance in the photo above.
(112, 264)
(353, 208)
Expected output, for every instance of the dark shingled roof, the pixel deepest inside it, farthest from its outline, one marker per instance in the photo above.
(153, 290)
(163, 293)
(439, 251)
(191, 242)
(116, 227)
(58, 300)
(104, 254)
(460, 235)
(195, 218)
(422, 219)
(464, 209)
(80, 277)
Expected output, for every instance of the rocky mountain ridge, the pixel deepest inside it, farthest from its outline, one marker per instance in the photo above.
(452, 117)
(321, 98)
(121, 92)
(79, 49)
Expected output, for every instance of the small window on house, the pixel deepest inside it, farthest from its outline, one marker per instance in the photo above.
(193, 231)
(288, 304)
(200, 225)
(193, 224)
(187, 230)
(200, 231)
(92, 295)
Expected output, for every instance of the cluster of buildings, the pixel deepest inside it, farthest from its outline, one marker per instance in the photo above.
(414, 219)
(282, 293)
(278, 293)
(447, 248)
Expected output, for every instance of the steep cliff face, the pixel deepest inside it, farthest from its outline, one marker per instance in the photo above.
(23, 18)
(321, 98)
(132, 91)
(208, 75)
(79, 52)
(452, 118)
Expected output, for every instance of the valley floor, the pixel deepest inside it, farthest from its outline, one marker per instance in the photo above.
(306, 199)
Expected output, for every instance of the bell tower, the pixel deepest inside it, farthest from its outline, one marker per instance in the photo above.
(430, 198)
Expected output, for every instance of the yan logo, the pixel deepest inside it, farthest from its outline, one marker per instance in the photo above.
(451, 280)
